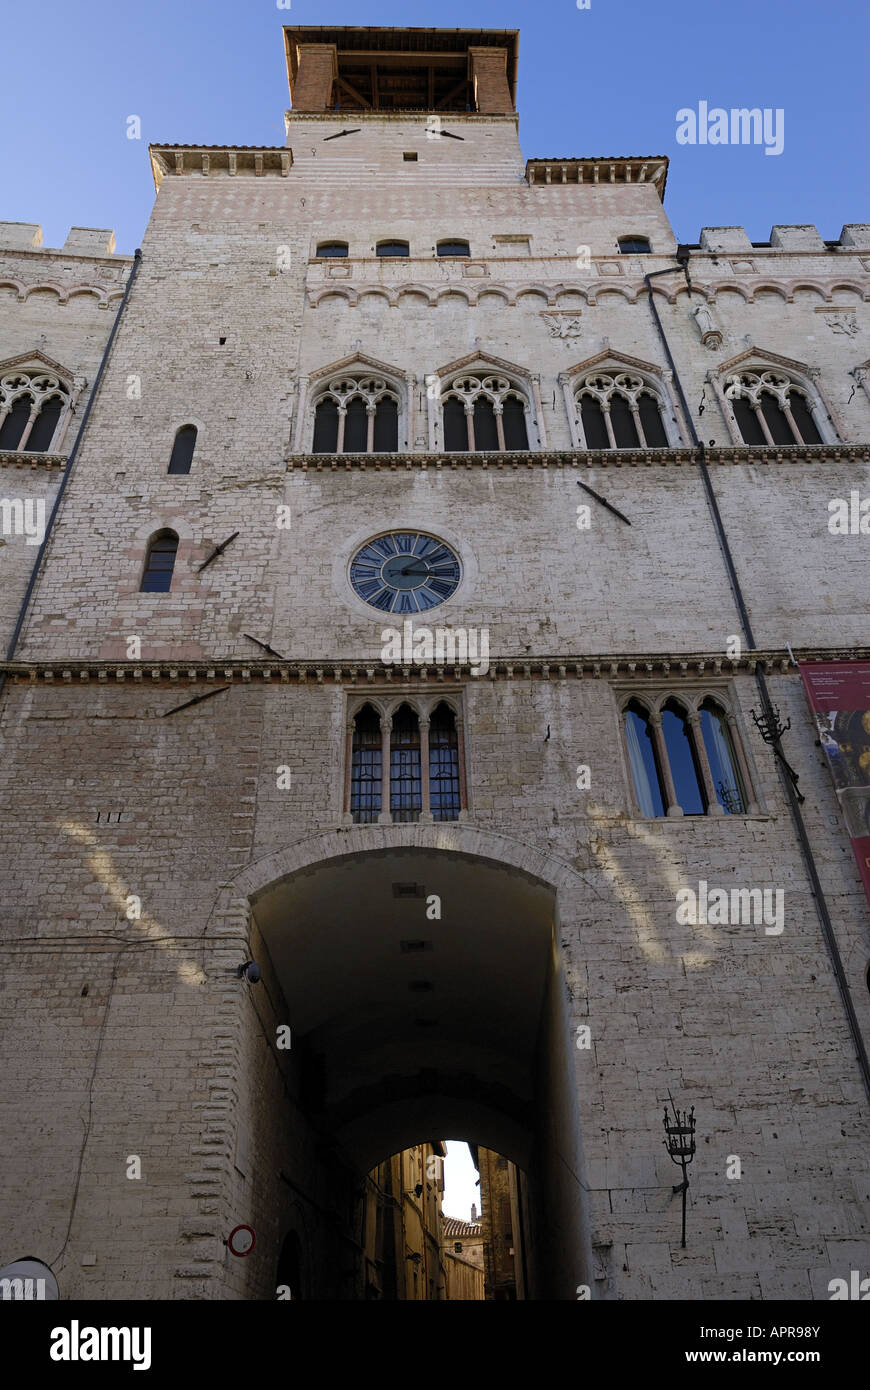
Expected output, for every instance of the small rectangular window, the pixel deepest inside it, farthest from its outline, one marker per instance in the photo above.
(409, 157)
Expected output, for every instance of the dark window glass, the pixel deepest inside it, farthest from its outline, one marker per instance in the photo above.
(777, 423)
(405, 784)
(803, 419)
(513, 419)
(393, 248)
(182, 450)
(443, 765)
(621, 419)
(333, 248)
(160, 563)
(747, 421)
(326, 427)
(594, 427)
(485, 428)
(643, 760)
(356, 427)
(13, 425)
(634, 246)
(651, 420)
(454, 248)
(682, 760)
(719, 746)
(45, 425)
(455, 426)
(386, 426)
(365, 780)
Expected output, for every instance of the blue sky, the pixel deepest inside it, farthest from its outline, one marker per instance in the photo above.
(607, 80)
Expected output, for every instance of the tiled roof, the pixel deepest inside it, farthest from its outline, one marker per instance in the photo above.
(453, 1228)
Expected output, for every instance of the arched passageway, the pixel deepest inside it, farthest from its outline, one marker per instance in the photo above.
(423, 986)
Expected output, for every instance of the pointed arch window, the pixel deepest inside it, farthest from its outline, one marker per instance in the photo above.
(484, 413)
(34, 406)
(620, 410)
(356, 415)
(182, 449)
(724, 767)
(405, 764)
(771, 408)
(643, 760)
(444, 790)
(685, 758)
(405, 775)
(159, 563)
(366, 780)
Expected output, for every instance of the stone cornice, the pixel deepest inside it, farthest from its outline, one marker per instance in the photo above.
(624, 169)
(586, 458)
(364, 672)
(256, 160)
(21, 458)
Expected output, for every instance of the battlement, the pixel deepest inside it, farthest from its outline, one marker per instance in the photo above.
(81, 241)
(855, 236)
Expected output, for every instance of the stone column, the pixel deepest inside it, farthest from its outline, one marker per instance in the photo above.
(385, 818)
(425, 808)
(672, 808)
(693, 719)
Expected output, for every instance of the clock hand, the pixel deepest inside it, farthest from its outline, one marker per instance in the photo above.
(411, 570)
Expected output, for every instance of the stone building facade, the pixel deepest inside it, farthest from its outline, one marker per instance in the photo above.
(456, 867)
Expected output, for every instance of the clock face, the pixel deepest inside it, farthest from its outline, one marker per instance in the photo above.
(405, 572)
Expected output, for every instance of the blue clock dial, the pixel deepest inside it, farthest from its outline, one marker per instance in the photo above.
(405, 572)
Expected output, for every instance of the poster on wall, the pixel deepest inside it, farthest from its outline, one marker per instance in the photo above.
(839, 695)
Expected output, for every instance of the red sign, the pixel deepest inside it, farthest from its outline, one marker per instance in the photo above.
(839, 694)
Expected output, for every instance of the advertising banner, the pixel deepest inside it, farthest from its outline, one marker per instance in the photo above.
(839, 695)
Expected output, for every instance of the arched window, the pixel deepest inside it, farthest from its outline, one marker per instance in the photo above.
(405, 781)
(643, 761)
(484, 413)
(424, 772)
(182, 449)
(619, 410)
(724, 768)
(634, 246)
(159, 563)
(365, 781)
(356, 415)
(683, 759)
(32, 405)
(393, 248)
(770, 408)
(444, 795)
(333, 249)
(454, 247)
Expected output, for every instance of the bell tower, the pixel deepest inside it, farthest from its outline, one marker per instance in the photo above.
(381, 91)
